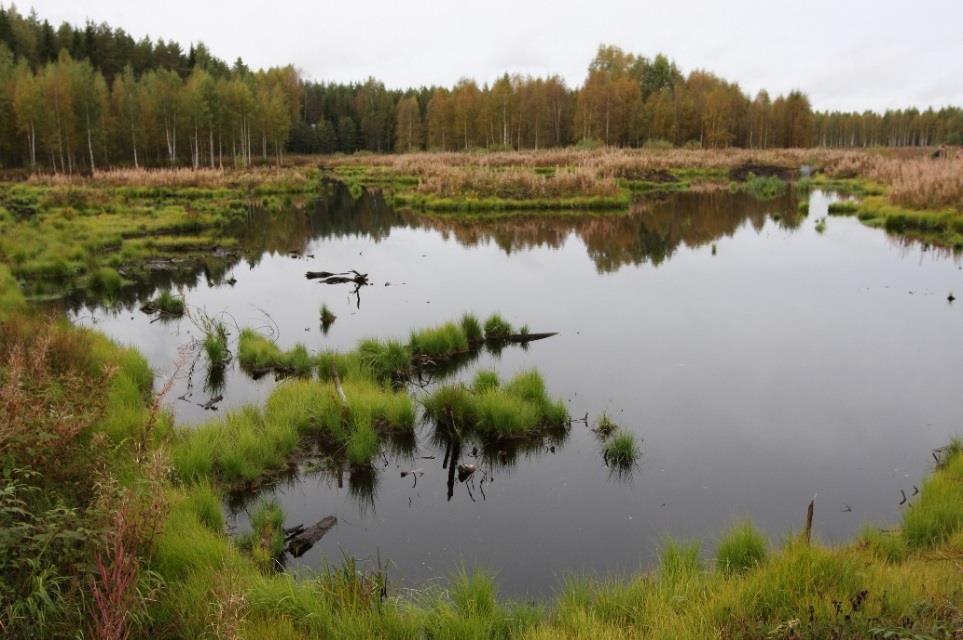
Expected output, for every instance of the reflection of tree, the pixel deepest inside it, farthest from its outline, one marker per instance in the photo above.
(648, 234)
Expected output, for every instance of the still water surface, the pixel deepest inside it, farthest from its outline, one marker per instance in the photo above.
(779, 365)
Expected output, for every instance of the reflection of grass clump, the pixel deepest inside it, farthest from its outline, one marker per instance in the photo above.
(327, 316)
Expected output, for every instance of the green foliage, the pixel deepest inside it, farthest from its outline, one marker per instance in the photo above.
(741, 549)
(11, 299)
(215, 344)
(472, 329)
(937, 513)
(519, 408)
(258, 354)
(168, 304)
(440, 342)
(605, 427)
(386, 359)
(106, 281)
(760, 187)
(265, 542)
(620, 450)
(496, 328)
(485, 380)
(844, 208)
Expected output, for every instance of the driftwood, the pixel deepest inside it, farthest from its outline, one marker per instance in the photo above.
(300, 538)
(529, 337)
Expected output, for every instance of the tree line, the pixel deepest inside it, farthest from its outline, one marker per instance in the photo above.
(76, 99)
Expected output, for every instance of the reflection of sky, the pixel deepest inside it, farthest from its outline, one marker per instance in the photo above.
(789, 364)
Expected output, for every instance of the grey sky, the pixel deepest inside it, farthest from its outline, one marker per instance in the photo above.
(847, 54)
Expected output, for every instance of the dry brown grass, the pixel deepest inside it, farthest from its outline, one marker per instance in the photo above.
(917, 181)
(181, 178)
(914, 179)
(515, 182)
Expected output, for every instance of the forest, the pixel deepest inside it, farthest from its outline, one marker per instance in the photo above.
(77, 99)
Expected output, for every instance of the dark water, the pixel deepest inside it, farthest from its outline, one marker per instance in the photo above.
(785, 364)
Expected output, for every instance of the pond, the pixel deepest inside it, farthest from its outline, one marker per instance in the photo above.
(758, 362)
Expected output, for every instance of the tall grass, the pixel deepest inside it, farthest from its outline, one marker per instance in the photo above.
(741, 549)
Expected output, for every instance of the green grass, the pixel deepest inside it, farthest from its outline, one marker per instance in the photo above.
(246, 446)
(742, 548)
(760, 187)
(941, 227)
(385, 359)
(105, 281)
(605, 427)
(215, 344)
(844, 208)
(11, 298)
(473, 204)
(620, 450)
(64, 235)
(520, 408)
(168, 304)
(265, 541)
(258, 354)
(472, 329)
(439, 343)
(497, 328)
(938, 511)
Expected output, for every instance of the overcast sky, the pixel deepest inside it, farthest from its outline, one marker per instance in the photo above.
(846, 54)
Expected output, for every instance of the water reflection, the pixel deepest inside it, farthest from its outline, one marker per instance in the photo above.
(650, 233)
